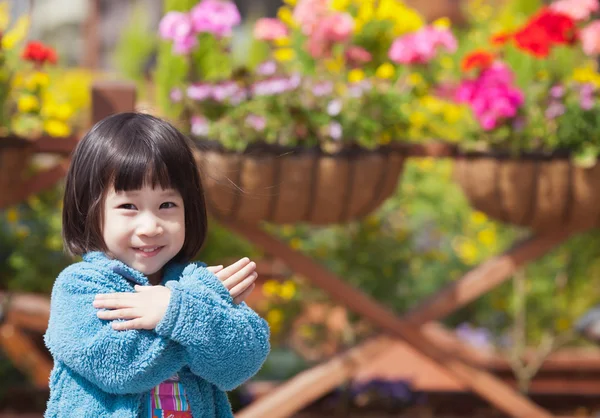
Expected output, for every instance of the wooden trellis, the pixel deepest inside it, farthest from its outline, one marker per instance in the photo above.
(416, 328)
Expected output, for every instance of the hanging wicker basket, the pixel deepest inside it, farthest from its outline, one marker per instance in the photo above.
(539, 192)
(14, 155)
(297, 185)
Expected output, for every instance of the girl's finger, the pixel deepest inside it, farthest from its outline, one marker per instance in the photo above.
(137, 323)
(241, 287)
(241, 275)
(214, 269)
(232, 269)
(113, 303)
(244, 294)
(118, 314)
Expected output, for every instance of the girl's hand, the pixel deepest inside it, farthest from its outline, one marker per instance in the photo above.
(238, 278)
(141, 310)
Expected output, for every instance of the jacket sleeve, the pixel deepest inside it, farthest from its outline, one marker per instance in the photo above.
(226, 343)
(117, 362)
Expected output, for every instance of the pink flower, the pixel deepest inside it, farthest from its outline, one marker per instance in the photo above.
(199, 91)
(308, 13)
(575, 9)
(200, 125)
(331, 29)
(215, 16)
(590, 38)
(491, 96)
(256, 122)
(177, 27)
(358, 55)
(421, 47)
(268, 29)
(336, 27)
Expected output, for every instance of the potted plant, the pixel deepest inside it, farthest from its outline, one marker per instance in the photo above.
(315, 131)
(530, 152)
(30, 106)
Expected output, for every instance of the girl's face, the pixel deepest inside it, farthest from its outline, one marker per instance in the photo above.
(144, 228)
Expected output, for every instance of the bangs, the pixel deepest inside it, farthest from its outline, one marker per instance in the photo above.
(133, 172)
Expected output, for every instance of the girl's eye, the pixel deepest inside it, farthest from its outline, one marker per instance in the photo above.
(168, 205)
(127, 206)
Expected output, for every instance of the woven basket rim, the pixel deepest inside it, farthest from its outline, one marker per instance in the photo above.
(554, 155)
(258, 149)
(13, 141)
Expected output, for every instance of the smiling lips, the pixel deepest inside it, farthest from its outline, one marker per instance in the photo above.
(148, 251)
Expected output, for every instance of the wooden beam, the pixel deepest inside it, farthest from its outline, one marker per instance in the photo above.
(39, 182)
(48, 144)
(485, 277)
(284, 402)
(25, 355)
(481, 382)
(27, 310)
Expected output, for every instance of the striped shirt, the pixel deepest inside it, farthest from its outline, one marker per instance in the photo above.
(168, 400)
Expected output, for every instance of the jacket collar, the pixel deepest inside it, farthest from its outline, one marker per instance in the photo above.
(172, 270)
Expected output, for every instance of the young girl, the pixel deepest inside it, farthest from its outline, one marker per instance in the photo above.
(135, 329)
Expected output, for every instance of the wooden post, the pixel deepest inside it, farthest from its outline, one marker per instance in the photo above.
(110, 97)
(481, 382)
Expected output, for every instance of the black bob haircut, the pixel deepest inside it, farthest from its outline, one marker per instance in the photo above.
(127, 151)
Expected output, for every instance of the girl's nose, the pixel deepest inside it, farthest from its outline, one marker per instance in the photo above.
(149, 225)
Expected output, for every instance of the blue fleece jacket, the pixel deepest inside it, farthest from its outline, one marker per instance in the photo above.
(213, 344)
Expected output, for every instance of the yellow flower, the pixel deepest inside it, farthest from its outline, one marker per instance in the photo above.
(415, 79)
(407, 20)
(334, 65)
(270, 288)
(296, 243)
(487, 237)
(466, 250)
(417, 119)
(283, 41)
(446, 63)
(287, 290)
(356, 75)
(452, 113)
(275, 316)
(385, 71)
(340, 5)
(442, 23)
(586, 74)
(16, 34)
(431, 103)
(285, 15)
(4, 15)
(37, 80)
(61, 111)
(56, 128)
(290, 2)
(284, 54)
(28, 103)
(12, 216)
(425, 164)
(478, 217)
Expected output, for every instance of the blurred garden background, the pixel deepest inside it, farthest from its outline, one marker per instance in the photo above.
(514, 81)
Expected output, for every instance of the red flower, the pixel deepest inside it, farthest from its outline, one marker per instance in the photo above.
(39, 53)
(501, 38)
(479, 59)
(544, 30)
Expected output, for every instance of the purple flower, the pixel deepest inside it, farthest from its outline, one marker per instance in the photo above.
(256, 122)
(176, 95)
(224, 91)
(267, 68)
(557, 91)
(477, 337)
(335, 130)
(586, 96)
(215, 16)
(199, 91)
(200, 125)
(322, 89)
(555, 110)
(334, 107)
